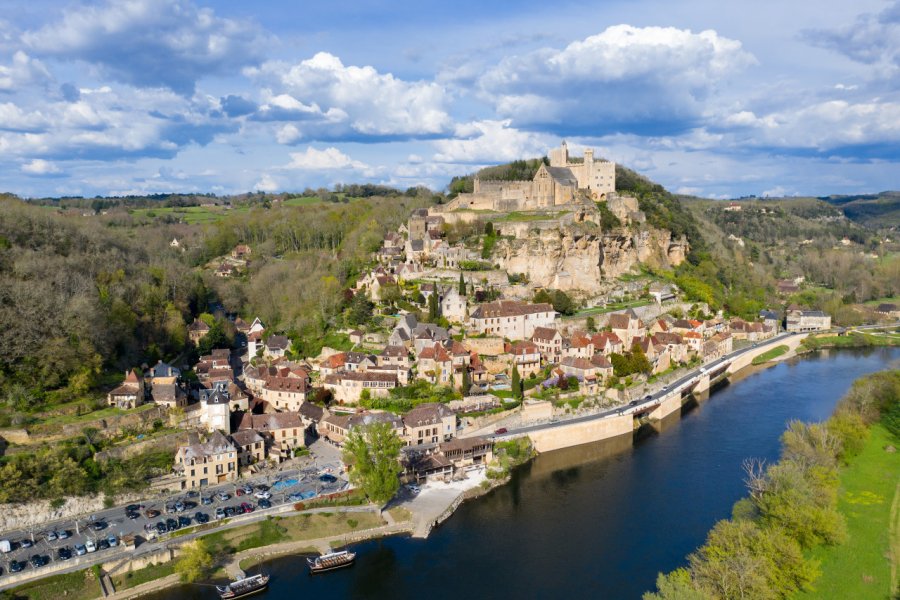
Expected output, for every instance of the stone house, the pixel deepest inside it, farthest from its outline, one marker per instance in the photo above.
(241, 252)
(465, 452)
(284, 432)
(579, 345)
(336, 427)
(425, 335)
(511, 319)
(215, 409)
(197, 331)
(694, 341)
(276, 346)
(286, 393)
(333, 364)
(166, 391)
(251, 447)
(807, 320)
(549, 342)
(604, 367)
(526, 357)
(435, 365)
(130, 394)
(394, 356)
(674, 343)
(428, 423)
(770, 319)
(582, 368)
(627, 326)
(347, 387)
(358, 361)
(888, 310)
(454, 308)
(202, 464)
(717, 346)
(607, 343)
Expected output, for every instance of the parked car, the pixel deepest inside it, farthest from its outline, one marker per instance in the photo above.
(247, 488)
(113, 540)
(160, 528)
(64, 553)
(80, 549)
(327, 478)
(151, 514)
(193, 494)
(171, 524)
(184, 521)
(264, 495)
(648, 397)
(295, 497)
(501, 431)
(51, 536)
(90, 546)
(223, 497)
(201, 518)
(133, 508)
(239, 492)
(246, 507)
(37, 561)
(229, 511)
(414, 488)
(5, 546)
(98, 525)
(63, 534)
(179, 506)
(132, 515)
(263, 487)
(220, 513)
(206, 500)
(16, 566)
(264, 503)
(103, 544)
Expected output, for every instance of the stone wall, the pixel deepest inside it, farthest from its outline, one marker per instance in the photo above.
(164, 442)
(573, 434)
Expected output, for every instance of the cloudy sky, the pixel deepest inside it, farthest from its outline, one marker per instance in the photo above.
(720, 100)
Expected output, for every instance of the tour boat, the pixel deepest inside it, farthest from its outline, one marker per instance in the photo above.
(243, 587)
(331, 561)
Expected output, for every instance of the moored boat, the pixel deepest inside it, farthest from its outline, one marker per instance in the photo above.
(331, 561)
(243, 587)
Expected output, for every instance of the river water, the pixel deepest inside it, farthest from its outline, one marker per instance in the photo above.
(599, 520)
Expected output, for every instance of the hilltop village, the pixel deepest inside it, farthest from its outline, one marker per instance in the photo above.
(480, 295)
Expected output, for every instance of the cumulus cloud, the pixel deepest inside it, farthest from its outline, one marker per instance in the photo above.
(151, 43)
(350, 102)
(632, 79)
(40, 167)
(327, 159)
(22, 71)
(483, 142)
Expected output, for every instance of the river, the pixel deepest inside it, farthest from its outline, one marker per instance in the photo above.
(599, 520)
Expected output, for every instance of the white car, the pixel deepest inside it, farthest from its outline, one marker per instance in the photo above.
(413, 488)
(90, 546)
(263, 495)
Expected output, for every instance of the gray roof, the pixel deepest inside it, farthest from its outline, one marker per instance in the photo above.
(563, 175)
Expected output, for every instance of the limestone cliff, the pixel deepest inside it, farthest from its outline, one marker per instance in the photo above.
(577, 258)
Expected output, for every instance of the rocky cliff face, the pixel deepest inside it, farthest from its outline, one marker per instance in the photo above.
(565, 258)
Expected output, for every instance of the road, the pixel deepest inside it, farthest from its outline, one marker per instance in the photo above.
(283, 483)
(642, 405)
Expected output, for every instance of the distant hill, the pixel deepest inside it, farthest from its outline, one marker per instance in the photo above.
(871, 210)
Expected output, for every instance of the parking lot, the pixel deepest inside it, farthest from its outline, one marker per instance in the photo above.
(103, 533)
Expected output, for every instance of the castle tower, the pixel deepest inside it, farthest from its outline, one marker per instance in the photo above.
(559, 157)
(588, 171)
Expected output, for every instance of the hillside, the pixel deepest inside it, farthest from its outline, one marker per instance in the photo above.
(872, 210)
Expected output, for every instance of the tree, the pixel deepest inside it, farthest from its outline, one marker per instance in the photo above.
(373, 453)
(676, 585)
(433, 311)
(591, 324)
(194, 562)
(360, 310)
(516, 382)
(466, 382)
(489, 229)
(462, 285)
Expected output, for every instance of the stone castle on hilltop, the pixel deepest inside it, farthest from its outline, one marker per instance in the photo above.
(552, 185)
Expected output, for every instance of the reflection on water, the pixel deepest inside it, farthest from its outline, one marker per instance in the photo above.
(598, 520)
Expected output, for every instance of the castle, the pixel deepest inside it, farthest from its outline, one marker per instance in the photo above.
(552, 185)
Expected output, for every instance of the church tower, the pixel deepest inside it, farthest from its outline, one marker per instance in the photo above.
(559, 157)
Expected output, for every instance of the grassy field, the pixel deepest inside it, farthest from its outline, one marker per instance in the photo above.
(135, 578)
(861, 567)
(80, 585)
(599, 310)
(192, 215)
(522, 216)
(770, 354)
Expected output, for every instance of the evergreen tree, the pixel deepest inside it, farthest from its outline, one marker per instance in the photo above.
(462, 285)
(433, 311)
(516, 382)
(466, 382)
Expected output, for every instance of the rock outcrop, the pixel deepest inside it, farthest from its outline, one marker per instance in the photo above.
(571, 259)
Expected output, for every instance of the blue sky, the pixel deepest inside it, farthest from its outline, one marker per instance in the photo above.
(718, 100)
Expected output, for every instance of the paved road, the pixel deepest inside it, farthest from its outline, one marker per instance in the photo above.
(283, 483)
(649, 401)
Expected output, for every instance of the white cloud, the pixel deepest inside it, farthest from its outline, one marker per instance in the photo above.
(151, 43)
(489, 142)
(288, 134)
(365, 102)
(327, 159)
(22, 71)
(623, 79)
(39, 166)
(266, 183)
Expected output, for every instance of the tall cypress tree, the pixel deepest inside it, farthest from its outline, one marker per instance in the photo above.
(432, 307)
(516, 382)
(462, 285)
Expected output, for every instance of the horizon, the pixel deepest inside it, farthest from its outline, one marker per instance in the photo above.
(178, 97)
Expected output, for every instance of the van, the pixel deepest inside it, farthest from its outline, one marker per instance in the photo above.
(5, 546)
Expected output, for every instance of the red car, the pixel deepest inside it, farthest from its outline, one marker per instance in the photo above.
(246, 507)
(500, 431)
(239, 492)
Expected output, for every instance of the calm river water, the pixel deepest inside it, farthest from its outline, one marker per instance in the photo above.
(595, 521)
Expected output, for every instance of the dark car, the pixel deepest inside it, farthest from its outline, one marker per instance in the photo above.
(193, 494)
(206, 500)
(633, 403)
(133, 515)
(201, 518)
(64, 553)
(648, 397)
(16, 566)
(265, 503)
(98, 525)
(27, 543)
(160, 528)
(501, 431)
(184, 521)
(171, 524)
(103, 544)
(229, 511)
(263, 488)
(38, 561)
(133, 508)
(189, 505)
(327, 478)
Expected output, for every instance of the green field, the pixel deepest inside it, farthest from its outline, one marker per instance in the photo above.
(522, 216)
(770, 354)
(80, 585)
(861, 567)
(192, 215)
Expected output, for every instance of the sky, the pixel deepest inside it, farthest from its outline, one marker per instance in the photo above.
(714, 99)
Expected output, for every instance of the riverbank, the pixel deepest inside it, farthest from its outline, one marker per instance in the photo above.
(830, 502)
